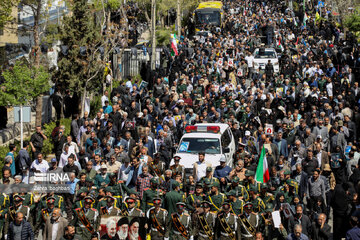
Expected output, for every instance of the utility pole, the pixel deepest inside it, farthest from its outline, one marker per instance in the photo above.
(178, 19)
(153, 35)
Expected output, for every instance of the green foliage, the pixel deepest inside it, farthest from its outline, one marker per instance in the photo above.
(95, 105)
(6, 7)
(23, 83)
(80, 30)
(51, 34)
(352, 21)
(163, 36)
(113, 4)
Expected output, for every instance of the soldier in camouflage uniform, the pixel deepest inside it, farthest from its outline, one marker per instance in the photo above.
(157, 219)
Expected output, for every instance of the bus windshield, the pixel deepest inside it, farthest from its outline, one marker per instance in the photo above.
(208, 17)
(196, 145)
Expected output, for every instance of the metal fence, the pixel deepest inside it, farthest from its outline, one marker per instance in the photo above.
(133, 59)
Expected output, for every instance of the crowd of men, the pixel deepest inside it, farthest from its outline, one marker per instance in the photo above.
(120, 161)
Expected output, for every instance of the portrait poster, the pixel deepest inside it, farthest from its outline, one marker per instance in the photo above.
(121, 227)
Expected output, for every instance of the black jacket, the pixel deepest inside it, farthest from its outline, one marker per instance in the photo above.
(318, 233)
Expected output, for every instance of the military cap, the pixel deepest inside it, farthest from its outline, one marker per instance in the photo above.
(89, 199)
(264, 186)
(157, 200)
(236, 179)
(248, 205)
(209, 169)
(216, 184)
(180, 204)
(287, 172)
(199, 184)
(130, 200)
(18, 198)
(154, 180)
(50, 200)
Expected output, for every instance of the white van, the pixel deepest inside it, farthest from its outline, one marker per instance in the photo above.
(215, 139)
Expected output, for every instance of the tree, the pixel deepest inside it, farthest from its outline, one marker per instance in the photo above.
(23, 83)
(6, 7)
(90, 38)
(352, 21)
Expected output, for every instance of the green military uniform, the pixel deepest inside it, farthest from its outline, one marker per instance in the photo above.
(86, 221)
(28, 200)
(157, 220)
(4, 207)
(208, 181)
(194, 200)
(216, 200)
(179, 169)
(44, 214)
(109, 210)
(239, 189)
(249, 222)
(90, 175)
(204, 226)
(150, 194)
(231, 223)
(259, 205)
(172, 198)
(157, 169)
(11, 214)
(59, 202)
(178, 221)
(132, 212)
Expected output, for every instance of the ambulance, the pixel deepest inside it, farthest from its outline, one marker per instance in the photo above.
(214, 139)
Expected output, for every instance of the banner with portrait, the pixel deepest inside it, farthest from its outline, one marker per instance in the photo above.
(120, 227)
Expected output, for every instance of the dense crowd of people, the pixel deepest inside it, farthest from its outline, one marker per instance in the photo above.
(123, 161)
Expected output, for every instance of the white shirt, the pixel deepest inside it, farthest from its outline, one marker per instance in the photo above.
(201, 170)
(318, 157)
(103, 99)
(42, 167)
(122, 175)
(250, 60)
(55, 230)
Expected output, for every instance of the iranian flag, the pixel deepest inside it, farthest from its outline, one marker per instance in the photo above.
(174, 45)
(305, 19)
(262, 171)
(280, 45)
